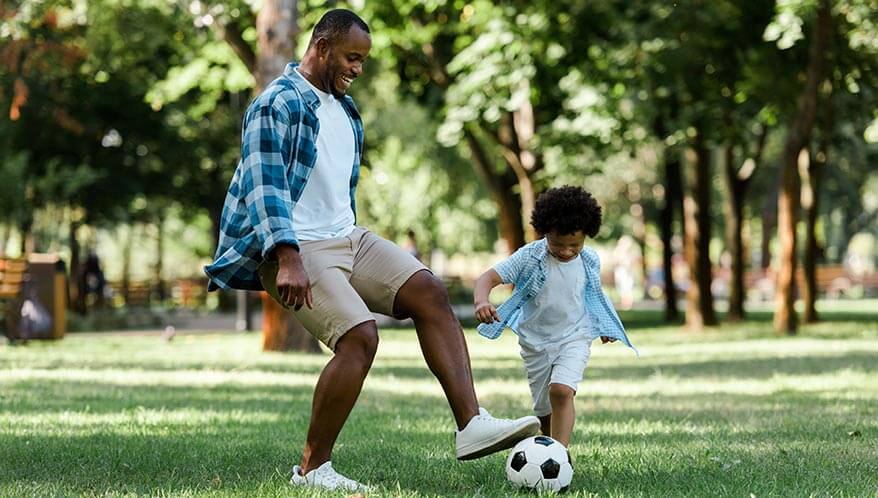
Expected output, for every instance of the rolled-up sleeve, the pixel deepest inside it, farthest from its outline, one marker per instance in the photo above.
(510, 268)
(267, 139)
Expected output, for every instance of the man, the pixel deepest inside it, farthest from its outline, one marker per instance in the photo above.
(288, 226)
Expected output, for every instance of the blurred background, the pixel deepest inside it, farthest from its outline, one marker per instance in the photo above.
(731, 144)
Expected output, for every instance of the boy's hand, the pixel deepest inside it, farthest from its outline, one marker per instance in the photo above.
(486, 313)
(605, 339)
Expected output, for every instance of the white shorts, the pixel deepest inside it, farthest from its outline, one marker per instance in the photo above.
(554, 364)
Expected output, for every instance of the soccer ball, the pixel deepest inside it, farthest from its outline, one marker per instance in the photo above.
(540, 463)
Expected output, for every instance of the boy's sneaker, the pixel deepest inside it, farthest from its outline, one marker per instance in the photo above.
(327, 478)
(485, 434)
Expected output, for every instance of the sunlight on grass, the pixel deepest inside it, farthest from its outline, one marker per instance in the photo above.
(210, 415)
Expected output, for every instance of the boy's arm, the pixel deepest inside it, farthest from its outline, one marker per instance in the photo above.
(485, 311)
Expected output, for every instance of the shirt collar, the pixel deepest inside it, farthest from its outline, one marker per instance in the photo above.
(312, 100)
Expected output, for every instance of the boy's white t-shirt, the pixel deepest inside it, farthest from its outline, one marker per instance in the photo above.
(324, 210)
(557, 313)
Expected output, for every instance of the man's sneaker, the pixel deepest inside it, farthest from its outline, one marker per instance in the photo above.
(327, 478)
(485, 434)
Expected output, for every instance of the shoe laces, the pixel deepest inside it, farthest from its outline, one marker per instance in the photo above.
(485, 416)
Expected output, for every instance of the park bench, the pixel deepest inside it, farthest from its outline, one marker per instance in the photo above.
(189, 292)
(13, 273)
(134, 294)
(833, 281)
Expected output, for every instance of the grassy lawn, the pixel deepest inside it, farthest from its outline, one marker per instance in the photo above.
(728, 412)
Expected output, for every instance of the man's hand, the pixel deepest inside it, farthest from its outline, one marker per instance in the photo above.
(486, 313)
(293, 285)
(605, 339)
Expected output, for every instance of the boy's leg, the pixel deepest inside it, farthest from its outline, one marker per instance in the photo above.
(567, 369)
(563, 412)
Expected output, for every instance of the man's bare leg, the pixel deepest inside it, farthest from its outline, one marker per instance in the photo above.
(424, 298)
(337, 391)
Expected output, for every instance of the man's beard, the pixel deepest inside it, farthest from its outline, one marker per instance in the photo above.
(333, 72)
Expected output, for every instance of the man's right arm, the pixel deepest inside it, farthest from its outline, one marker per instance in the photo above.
(293, 285)
(265, 150)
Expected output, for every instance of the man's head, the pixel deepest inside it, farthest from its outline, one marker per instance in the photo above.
(339, 45)
(565, 216)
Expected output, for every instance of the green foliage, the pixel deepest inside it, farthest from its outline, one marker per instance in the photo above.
(13, 187)
(135, 105)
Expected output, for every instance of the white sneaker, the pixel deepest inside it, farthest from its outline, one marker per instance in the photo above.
(485, 434)
(325, 477)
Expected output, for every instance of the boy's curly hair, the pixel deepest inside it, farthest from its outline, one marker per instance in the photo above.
(566, 210)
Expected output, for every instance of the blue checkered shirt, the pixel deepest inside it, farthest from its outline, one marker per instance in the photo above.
(527, 270)
(278, 152)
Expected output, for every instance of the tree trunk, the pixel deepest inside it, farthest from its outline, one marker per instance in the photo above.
(810, 198)
(77, 301)
(27, 236)
(696, 213)
(158, 269)
(673, 201)
(511, 226)
(276, 31)
(282, 322)
(7, 232)
(788, 201)
(127, 244)
(737, 184)
(734, 223)
(277, 27)
(500, 186)
(769, 225)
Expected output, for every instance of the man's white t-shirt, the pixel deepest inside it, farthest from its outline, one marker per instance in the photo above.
(324, 210)
(557, 313)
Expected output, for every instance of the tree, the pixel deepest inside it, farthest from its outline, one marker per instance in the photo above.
(484, 70)
(794, 153)
(276, 31)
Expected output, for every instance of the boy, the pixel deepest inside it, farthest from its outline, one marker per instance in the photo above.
(557, 308)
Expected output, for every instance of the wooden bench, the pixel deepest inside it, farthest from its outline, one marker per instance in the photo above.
(834, 281)
(12, 276)
(136, 293)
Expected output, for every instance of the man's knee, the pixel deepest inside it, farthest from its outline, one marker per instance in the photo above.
(359, 342)
(560, 392)
(423, 294)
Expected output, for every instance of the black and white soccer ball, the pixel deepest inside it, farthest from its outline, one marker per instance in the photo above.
(540, 463)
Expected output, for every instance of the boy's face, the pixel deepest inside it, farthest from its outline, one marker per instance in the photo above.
(565, 247)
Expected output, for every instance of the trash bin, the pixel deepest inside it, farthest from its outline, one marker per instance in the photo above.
(49, 278)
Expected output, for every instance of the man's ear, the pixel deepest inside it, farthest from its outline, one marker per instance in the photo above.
(322, 46)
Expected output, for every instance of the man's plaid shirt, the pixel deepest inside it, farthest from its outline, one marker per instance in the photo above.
(527, 270)
(278, 152)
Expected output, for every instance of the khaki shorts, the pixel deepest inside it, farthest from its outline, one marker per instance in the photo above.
(351, 277)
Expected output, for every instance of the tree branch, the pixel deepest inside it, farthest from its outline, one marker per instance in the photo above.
(231, 33)
(745, 174)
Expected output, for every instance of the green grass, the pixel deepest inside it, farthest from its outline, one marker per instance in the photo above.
(728, 412)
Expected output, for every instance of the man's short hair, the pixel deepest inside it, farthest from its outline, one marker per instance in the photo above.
(335, 24)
